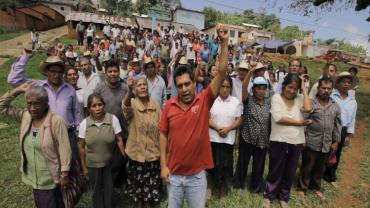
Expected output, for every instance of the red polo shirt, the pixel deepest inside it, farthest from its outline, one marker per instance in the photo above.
(188, 134)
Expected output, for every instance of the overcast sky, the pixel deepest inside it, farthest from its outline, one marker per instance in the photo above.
(344, 24)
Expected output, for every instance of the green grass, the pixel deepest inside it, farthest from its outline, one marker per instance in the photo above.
(64, 39)
(362, 190)
(15, 194)
(7, 33)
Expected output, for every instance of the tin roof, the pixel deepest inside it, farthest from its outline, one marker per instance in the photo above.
(146, 22)
(101, 19)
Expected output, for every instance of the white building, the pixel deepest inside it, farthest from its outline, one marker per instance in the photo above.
(187, 16)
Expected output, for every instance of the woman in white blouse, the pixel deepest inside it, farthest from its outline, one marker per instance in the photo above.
(287, 138)
(225, 117)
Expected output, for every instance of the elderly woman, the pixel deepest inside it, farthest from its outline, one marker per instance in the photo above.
(98, 135)
(287, 138)
(142, 148)
(41, 133)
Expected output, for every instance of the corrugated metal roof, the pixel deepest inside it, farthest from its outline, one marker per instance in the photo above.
(101, 19)
(147, 24)
(32, 13)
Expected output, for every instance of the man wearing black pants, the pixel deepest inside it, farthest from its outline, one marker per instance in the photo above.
(348, 107)
(80, 29)
(322, 138)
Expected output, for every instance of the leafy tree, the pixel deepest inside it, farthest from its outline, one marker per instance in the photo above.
(268, 22)
(308, 6)
(291, 33)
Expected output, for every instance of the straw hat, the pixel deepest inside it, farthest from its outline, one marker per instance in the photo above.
(51, 60)
(183, 61)
(244, 65)
(259, 66)
(147, 62)
(343, 75)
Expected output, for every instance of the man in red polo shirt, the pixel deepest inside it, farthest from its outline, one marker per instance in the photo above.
(185, 132)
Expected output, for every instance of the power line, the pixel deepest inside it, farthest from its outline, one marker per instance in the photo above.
(292, 21)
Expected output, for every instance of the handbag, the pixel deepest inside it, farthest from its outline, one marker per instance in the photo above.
(72, 192)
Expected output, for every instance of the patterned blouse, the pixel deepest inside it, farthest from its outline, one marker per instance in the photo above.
(256, 125)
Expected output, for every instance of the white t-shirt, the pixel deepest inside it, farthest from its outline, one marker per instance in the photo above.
(115, 124)
(116, 31)
(89, 32)
(284, 133)
(223, 114)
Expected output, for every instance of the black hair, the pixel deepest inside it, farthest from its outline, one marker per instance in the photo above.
(300, 63)
(66, 72)
(183, 69)
(290, 78)
(325, 79)
(91, 97)
(354, 69)
(111, 63)
(228, 78)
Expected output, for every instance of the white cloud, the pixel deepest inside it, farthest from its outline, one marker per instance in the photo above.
(352, 29)
(361, 41)
(324, 24)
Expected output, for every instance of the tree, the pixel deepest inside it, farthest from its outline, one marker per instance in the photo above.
(290, 33)
(268, 22)
(308, 5)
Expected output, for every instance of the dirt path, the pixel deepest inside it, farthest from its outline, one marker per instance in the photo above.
(12, 47)
(350, 169)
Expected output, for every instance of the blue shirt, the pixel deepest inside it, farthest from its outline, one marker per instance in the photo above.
(214, 48)
(348, 108)
(205, 54)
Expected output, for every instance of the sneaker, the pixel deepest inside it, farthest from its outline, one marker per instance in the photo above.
(266, 203)
(284, 204)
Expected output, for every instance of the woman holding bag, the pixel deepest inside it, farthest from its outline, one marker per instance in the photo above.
(40, 166)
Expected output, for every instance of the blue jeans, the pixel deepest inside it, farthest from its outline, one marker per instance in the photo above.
(193, 187)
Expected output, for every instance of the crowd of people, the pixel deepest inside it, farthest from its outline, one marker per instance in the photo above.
(141, 110)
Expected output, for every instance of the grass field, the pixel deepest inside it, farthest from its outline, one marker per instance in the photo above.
(9, 33)
(15, 194)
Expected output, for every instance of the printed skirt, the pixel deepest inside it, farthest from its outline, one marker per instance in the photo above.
(144, 181)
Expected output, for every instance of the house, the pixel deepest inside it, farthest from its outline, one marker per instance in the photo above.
(236, 33)
(64, 7)
(98, 19)
(39, 16)
(187, 16)
(146, 23)
(245, 33)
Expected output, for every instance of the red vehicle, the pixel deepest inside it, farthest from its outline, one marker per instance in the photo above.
(335, 55)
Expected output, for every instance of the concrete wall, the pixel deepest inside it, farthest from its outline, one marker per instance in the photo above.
(62, 9)
(187, 17)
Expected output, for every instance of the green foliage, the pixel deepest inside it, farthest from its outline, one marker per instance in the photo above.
(343, 45)
(290, 33)
(268, 22)
(7, 33)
